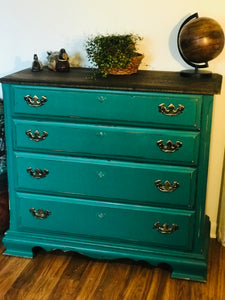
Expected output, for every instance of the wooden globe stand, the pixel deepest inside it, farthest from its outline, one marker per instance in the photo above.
(195, 73)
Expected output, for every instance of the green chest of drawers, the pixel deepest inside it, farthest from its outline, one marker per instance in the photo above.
(110, 168)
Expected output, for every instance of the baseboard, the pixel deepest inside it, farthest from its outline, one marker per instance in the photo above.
(213, 230)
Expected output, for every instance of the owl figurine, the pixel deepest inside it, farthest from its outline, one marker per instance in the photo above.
(62, 63)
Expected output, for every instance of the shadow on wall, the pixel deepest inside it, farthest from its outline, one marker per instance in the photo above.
(173, 43)
(17, 66)
(74, 49)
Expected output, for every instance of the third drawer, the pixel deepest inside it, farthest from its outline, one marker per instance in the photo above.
(126, 143)
(127, 182)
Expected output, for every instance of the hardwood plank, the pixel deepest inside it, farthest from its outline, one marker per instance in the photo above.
(70, 279)
(90, 280)
(68, 276)
(216, 271)
(10, 272)
(157, 289)
(114, 278)
(45, 277)
(138, 283)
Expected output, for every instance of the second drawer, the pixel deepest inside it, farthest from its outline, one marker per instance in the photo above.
(107, 180)
(126, 143)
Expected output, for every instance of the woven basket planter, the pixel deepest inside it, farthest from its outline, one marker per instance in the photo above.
(130, 69)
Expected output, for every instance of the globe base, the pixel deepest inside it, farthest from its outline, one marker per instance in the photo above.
(195, 73)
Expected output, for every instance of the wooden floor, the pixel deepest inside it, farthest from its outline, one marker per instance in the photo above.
(59, 276)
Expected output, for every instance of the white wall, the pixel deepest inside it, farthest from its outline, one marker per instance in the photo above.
(28, 27)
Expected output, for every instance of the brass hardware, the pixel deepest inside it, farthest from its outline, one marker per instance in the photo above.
(40, 213)
(34, 101)
(167, 187)
(170, 110)
(169, 147)
(38, 173)
(165, 227)
(36, 136)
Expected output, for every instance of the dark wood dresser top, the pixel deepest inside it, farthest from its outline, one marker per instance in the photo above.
(143, 80)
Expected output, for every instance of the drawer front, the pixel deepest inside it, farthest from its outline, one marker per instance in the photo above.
(109, 106)
(108, 142)
(106, 221)
(106, 180)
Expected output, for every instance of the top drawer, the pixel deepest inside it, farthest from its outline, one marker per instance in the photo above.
(103, 106)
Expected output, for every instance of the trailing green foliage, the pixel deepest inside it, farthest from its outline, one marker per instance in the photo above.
(111, 51)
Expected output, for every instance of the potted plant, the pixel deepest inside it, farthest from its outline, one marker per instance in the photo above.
(114, 54)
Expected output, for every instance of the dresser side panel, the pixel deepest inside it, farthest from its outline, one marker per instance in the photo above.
(201, 219)
(8, 107)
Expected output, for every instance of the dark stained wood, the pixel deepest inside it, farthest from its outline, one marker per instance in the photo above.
(154, 81)
(59, 275)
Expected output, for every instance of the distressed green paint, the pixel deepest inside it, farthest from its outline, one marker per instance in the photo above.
(104, 106)
(109, 221)
(102, 159)
(114, 180)
(109, 142)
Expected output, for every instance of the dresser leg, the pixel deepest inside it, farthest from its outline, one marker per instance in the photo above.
(17, 247)
(197, 271)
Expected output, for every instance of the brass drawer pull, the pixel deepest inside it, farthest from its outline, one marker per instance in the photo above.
(170, 109)
(37, 173)
(35, 101)
(165, 227)
(36, 136)
(40, 213)
(170, 146)
(167, 187)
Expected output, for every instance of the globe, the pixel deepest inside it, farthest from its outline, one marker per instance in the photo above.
(200, 40)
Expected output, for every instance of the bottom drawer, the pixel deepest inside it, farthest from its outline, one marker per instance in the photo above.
(106, 221)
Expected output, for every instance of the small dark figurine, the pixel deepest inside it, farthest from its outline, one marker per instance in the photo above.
(62, 63)
(37, 65)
